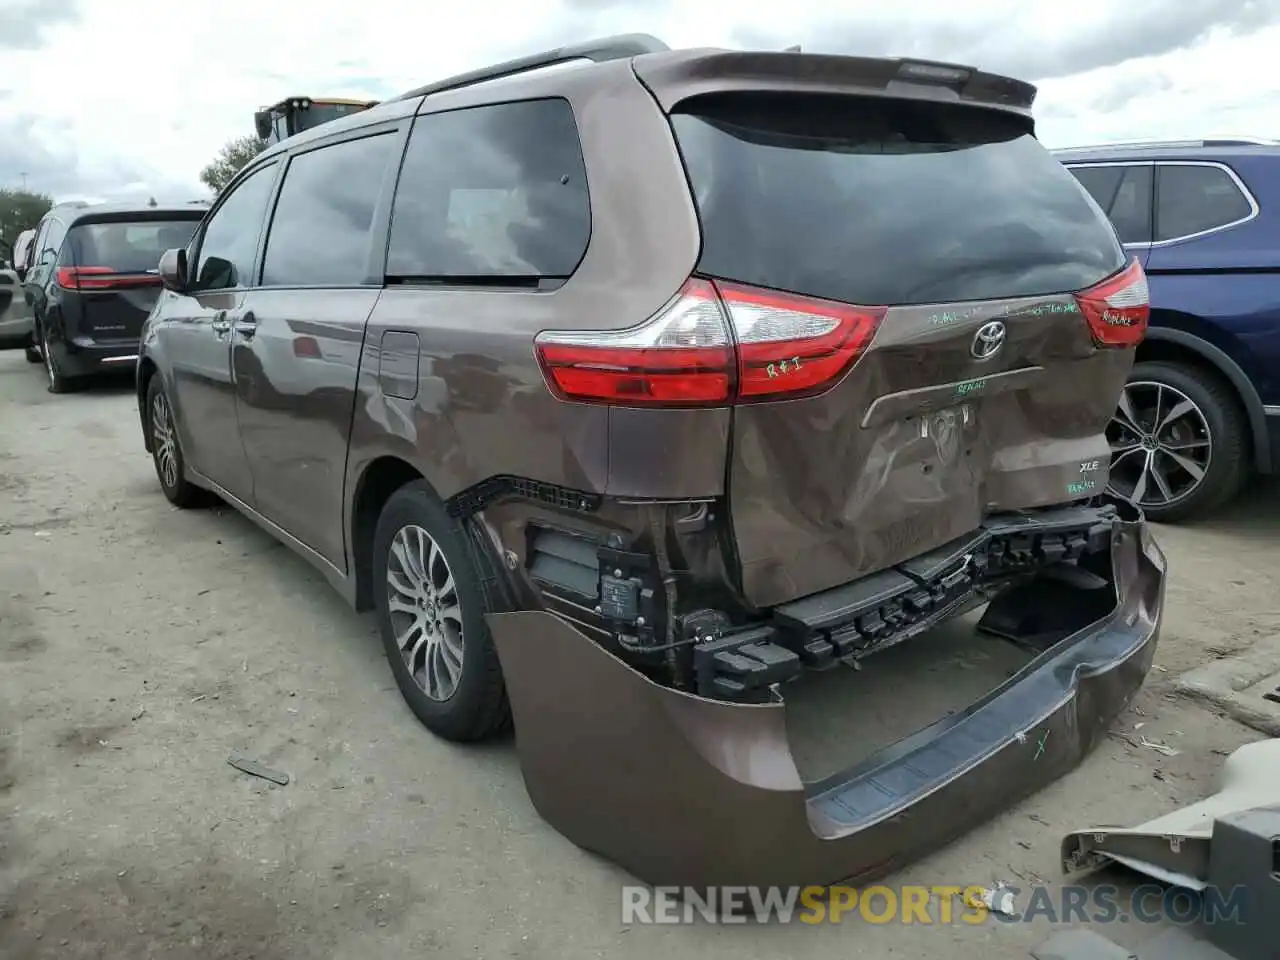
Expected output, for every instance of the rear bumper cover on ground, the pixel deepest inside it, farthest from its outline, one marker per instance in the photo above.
(686, 791)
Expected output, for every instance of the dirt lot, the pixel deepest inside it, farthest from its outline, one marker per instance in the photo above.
(140, 645)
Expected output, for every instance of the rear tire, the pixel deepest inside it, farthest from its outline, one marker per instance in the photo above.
(32, 351)
(166, 450)
(1210, 457)
(57, 381)
(431, 605)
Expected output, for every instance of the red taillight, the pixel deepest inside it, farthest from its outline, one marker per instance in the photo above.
(681, 357)
(102, 278)
(792, 346)
(712, 345)
(1118, 308)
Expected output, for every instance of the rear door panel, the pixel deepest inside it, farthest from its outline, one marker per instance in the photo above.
(295, 379)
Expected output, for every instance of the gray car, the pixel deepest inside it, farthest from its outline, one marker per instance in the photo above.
(15, 313)
(16, 319)
(627, 392)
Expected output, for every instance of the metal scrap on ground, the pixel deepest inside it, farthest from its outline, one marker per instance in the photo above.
(255, 769)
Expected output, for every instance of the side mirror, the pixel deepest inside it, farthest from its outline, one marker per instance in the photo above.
(262, 124)
(173, 270)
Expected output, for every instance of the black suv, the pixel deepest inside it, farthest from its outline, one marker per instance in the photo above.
(94, 279)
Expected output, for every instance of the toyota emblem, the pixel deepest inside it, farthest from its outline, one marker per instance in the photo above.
(988, 340)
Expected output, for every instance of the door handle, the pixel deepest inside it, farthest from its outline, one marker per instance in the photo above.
(247, 325)
(220, 324)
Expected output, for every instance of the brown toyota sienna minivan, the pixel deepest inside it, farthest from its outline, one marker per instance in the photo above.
(629, 391)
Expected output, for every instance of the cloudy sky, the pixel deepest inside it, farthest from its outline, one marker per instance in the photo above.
(130, 98)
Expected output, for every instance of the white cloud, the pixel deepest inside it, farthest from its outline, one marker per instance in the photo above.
(135, 96)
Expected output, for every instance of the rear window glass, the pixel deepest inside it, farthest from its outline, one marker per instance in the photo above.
(126, 247)
(885, 202)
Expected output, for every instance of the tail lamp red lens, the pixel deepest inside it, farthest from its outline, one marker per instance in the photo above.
(102, 278)
(1119, 308)
(714, 344)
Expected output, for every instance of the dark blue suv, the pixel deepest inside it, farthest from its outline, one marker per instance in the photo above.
(1201, 412)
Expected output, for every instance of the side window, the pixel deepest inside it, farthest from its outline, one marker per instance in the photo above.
(1101, 182)
(33, 252)
(492, 192)
(1124, 194)
(1192, 199)
(320, 231)
(230, 238)
(1131, 207)
(51, 242)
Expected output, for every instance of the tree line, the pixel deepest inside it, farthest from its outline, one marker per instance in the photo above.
(233, 155)
(19, 210)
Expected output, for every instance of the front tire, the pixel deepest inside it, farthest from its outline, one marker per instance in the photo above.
(166, 451)
(1179, 442)
(431, 608)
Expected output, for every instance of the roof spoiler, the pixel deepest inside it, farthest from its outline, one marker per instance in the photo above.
(621, 47)
(689, 73)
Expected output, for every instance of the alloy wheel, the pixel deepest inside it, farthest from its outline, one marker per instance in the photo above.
(426, 616)
(162, 439)
(1161, 445)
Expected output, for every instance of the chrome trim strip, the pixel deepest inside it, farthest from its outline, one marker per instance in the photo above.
(1271, 410)
(129, 358)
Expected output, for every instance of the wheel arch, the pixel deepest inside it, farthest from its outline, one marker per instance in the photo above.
(146, 370)
(1173, 345)
(381, 478)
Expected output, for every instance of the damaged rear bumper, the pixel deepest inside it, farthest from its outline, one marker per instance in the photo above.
(688, 791)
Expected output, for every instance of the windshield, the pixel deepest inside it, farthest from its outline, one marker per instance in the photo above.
(127, 247)
(886, 201)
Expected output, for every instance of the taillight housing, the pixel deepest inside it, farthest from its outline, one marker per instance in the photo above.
(1119, 308)
(101, 278)
(713, 344)
(791, 346)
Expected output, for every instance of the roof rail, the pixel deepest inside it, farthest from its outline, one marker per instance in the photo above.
(1207, 142)
(619, 47)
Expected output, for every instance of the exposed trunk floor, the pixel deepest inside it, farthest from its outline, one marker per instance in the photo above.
(896, 693)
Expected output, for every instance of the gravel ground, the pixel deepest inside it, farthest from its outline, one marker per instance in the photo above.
(140, 645)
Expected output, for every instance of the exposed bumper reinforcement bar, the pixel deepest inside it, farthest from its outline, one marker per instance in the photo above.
(684, 790)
